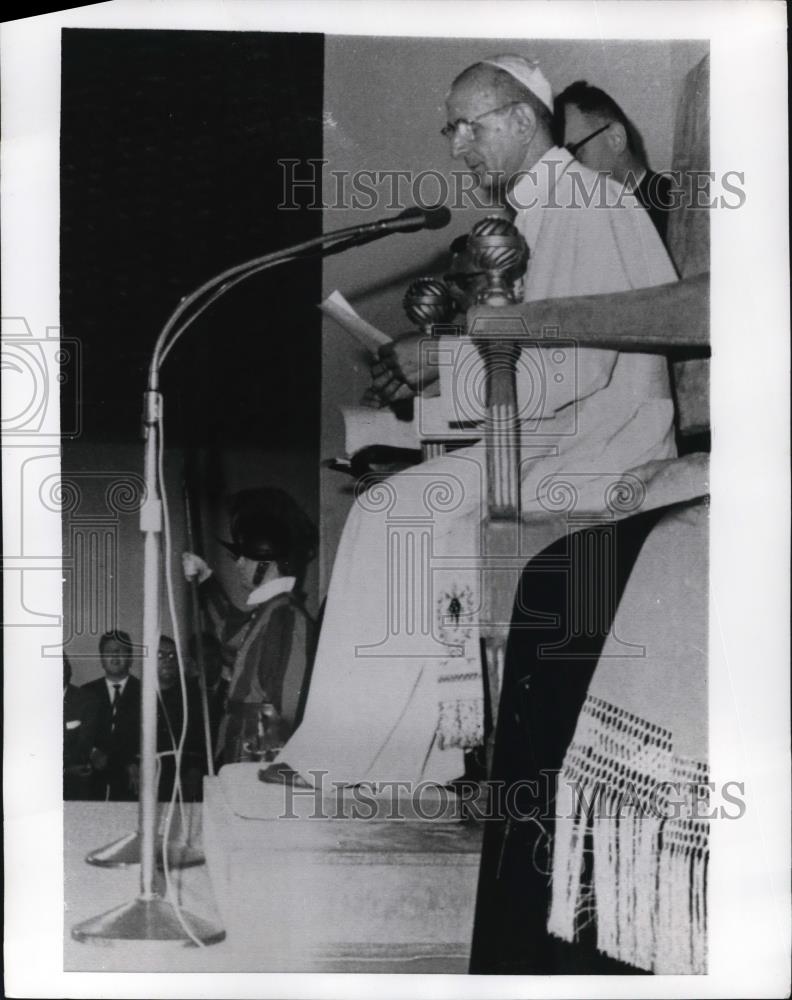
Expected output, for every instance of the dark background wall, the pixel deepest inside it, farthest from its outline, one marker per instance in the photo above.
(169, 174)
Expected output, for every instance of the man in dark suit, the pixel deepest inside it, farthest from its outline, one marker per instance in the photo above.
(170, 717)
(114, 756)
(79, 728)
(599, 134)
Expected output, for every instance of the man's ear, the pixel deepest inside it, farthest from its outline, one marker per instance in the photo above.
(617, 137)
(526, 120)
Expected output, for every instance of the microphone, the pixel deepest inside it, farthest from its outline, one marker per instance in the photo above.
(411, 220)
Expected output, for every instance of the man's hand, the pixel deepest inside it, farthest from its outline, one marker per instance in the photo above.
(399, 373)
(194, 566)
(98, 759)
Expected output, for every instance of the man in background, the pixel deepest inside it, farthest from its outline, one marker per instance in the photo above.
(599, 134)
(270, 642)
(117, 736)
(79, 725)
(170, 719)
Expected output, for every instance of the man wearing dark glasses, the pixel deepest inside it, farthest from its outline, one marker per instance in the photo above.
(599, 135)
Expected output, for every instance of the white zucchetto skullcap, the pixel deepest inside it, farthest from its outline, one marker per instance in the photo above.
(526, 72)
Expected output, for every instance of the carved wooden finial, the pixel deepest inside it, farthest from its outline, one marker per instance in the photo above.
(496, 248)
(428, 301)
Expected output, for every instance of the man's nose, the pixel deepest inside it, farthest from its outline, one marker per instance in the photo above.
(459, 143)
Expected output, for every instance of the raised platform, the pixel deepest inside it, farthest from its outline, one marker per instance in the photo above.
(316, 894)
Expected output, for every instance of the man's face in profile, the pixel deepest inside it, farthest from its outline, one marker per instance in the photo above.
(595, 153)
(116, 659)
(483, 135)
(248, 572)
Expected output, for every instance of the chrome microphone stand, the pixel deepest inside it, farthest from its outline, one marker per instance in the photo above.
(151, 916)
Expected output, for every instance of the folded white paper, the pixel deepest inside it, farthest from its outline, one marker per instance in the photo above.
(337, 307)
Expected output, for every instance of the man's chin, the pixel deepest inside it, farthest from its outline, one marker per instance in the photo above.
(491, 183)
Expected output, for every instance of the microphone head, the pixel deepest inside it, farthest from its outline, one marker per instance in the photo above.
(438, 217)
(415, 218)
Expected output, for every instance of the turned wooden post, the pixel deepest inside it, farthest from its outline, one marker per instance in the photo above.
(498, 249)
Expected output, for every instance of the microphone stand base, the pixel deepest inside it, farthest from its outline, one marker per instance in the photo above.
(125, 852)
(152, 919)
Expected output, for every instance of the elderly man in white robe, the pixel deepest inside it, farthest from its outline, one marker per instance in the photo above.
(396, 687)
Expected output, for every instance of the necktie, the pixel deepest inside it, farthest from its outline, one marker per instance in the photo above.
(114, 705)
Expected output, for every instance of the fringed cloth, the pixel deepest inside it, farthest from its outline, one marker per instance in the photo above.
(630, 845)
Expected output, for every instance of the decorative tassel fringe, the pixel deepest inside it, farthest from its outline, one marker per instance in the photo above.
(461, 723)
(682, 890)
(649, 866)
(625, 861)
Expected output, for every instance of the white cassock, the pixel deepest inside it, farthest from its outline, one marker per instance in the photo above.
(396, 690)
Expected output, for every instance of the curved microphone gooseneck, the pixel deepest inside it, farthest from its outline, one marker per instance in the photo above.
(150, 916)
(411, 220)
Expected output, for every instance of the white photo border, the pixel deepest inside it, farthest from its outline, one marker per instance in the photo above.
(749, 595)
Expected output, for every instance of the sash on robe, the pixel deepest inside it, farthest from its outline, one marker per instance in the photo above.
(634, 779)
(579, 874)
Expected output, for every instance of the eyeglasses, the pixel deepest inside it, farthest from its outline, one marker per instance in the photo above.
(169, 655)
(573, 147)
(449, 130)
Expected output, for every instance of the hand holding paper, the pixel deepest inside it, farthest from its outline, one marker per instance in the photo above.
(337, 307)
